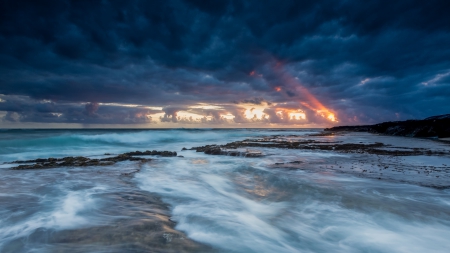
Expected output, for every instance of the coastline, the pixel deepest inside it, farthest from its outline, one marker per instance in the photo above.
(217, 191)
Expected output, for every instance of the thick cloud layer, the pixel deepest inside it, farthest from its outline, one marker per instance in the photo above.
(267, 63)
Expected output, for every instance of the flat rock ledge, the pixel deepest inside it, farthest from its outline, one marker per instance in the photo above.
(218, 150)
(231, 149)
(81, 161)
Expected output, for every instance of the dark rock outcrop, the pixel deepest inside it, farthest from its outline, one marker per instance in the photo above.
(80, 161)
(436, 126)
(219, 150)
(154, 152)
(377, 148)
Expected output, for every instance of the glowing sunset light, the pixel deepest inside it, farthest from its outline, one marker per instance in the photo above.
(331, 117)
(315, 104)
(206, 106)
(297, 115)
(207, 63)
(251, 113)
(311, 101)
(327, 114)
(227, 116)
(184, 114)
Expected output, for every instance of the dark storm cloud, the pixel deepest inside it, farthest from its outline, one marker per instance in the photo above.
(24, 109)
(91, 108)
(369, 61)
(255, 101)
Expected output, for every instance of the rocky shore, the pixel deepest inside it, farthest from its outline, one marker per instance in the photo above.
(434, 127)
(223, 150)
(380, 157)
(377, 148)
(144, 226)
(80, 161)
(141, 221)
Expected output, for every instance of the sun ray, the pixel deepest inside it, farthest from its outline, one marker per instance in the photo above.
(309, 100)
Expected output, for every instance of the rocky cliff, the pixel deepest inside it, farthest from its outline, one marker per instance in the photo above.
(436, 126)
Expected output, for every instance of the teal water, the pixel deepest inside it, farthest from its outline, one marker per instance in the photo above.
(229, 204)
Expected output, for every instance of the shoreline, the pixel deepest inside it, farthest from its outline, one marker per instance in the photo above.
(162, 200)
(378, 156)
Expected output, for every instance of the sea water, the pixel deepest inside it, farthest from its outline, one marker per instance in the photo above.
(228, 204)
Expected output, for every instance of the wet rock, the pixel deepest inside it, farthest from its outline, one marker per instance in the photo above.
(377, 148)
(81, 161)
(154, 152)
(168, 153)
(143, 226)
(217, 150)
(213, 151)
(253, 154)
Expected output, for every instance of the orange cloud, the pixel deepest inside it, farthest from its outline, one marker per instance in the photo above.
(309, 101)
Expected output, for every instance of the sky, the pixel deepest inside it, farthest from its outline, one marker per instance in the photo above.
(221, 64)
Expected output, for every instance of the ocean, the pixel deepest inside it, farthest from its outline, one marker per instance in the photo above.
(289, 200)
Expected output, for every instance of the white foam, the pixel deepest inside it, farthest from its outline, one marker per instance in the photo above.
(210, 206)
(66, 213)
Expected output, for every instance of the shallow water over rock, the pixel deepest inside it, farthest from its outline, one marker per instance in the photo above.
(286, 200)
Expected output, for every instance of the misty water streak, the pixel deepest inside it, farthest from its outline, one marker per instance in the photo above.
(230, 204)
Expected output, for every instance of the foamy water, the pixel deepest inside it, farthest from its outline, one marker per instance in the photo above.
(229, 204)
(241, 206)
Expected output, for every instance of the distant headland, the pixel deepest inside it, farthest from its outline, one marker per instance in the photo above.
(431, 127)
